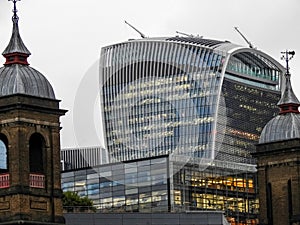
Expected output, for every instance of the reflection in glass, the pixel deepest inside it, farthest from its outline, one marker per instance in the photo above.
(3, 156)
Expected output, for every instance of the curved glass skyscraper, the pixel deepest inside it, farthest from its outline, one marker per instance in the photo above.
(181, 116)
(187, 97)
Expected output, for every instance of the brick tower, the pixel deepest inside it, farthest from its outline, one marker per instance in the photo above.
(278, 159)
(30, 188)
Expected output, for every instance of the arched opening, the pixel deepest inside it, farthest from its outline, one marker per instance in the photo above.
(3, 154)
(36, 153)
(37, 161)
(4, 175)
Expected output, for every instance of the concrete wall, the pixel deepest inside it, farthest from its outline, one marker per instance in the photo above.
(199, 218)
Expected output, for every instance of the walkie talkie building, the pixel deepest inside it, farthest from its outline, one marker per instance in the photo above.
(186, 96)
(198, 107)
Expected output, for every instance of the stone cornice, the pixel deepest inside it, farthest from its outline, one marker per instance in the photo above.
(18, 120)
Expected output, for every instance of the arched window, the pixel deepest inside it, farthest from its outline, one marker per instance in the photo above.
(36, 153)
(3, 154)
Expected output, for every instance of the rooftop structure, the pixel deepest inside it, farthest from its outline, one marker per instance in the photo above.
(286, 125)
(30, 181)
(17, 77)
(278, 166)
(78, 158)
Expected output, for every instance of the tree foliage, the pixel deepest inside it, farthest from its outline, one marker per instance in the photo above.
(71, 200)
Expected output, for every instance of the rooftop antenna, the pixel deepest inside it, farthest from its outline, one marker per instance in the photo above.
(142, 35)
(188, 35)
(248, 42)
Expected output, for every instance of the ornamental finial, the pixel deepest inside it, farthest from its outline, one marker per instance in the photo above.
(15, 16)
(287, 56)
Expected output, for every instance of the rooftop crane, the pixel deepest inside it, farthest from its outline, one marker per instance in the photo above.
(248, 42)
(141, 34)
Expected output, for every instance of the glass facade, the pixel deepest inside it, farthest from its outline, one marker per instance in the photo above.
(159, 98)
(146, 185)
(3, 156)
(248, 108)
(223, 186)
(181, 117)
(185, 96)
(138, 186)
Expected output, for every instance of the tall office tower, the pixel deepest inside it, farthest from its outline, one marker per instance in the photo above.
(186, 96)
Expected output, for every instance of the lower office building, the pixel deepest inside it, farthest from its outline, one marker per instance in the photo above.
(166, 184)
(77, 158)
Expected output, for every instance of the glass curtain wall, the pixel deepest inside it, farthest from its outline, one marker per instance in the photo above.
(140, 186)
(160, 98)
(147, 186)
(219, 187)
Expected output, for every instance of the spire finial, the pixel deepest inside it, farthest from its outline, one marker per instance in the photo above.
(15, 16)
(288, 103)
(16, 51)
(287, 56)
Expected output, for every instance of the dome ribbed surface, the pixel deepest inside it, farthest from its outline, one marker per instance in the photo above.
(17, 77)
(281, 127)
(23, 79)
(286, 125)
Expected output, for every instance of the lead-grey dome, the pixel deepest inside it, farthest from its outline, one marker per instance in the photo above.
(281, 127)
(17, 77)
(286, 125)
(23, 79)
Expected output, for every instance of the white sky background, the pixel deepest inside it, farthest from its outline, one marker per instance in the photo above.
(65, 38)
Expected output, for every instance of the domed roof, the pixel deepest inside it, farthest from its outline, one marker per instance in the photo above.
(17, 77)
(281, 127)
(286, 125)
(23, 79)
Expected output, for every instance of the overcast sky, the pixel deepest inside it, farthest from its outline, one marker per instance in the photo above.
(65, 38)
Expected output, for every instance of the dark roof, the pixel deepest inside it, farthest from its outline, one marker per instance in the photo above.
(197, 40)
(16, 45)
(18, 77)
(288, 96)
(286, 125)
(282, 127)
(23, 79)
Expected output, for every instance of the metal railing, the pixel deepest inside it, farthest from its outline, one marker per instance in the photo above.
(4, 180)
(37, 180)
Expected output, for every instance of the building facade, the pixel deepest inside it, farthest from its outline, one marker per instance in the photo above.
(148, 186)
(77, 158)
(186, 96)
(201, 103)
(30, 179)
(181, 117)
(278, 154)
